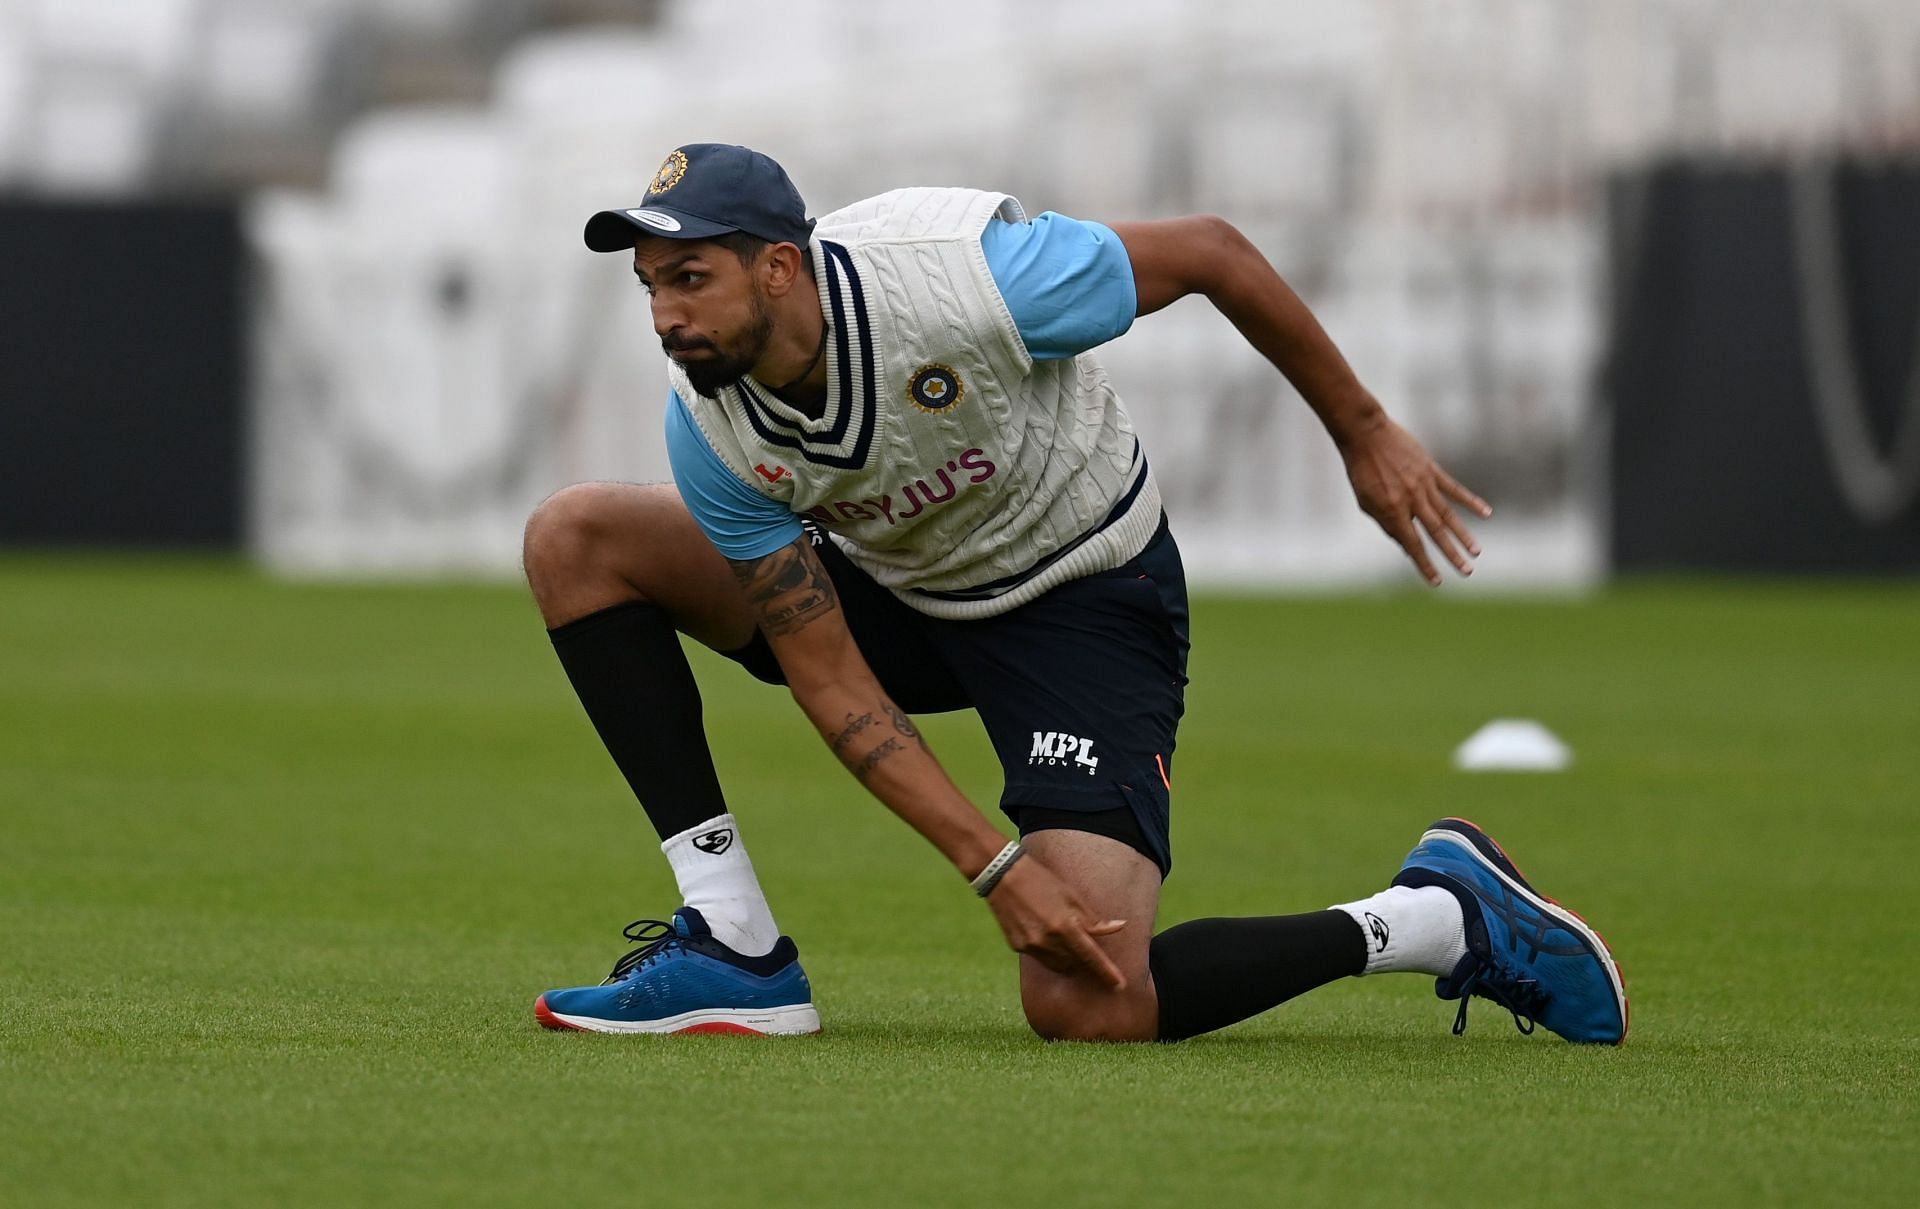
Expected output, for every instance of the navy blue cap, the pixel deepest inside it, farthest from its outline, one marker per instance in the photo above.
(704, 190)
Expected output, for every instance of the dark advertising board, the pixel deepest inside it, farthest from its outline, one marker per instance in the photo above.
(122, 375)
(1764, 380)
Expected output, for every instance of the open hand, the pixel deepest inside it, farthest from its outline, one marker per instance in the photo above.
(1397, 483)
(1043, 918)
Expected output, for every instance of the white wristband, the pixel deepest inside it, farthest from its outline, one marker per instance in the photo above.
(997, 868)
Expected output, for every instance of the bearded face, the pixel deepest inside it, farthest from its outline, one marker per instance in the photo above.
(717, 361)
(710, 308)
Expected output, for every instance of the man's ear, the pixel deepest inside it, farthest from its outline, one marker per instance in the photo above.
(784, 265)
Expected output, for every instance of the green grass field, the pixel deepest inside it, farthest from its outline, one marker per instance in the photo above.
(283, 867)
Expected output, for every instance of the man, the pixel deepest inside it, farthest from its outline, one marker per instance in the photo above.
(903, 484)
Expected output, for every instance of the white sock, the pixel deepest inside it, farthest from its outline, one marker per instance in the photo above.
(717, 879)
(1415, 929)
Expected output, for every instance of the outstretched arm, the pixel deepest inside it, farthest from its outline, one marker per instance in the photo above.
(1394, 479)
(799, 612)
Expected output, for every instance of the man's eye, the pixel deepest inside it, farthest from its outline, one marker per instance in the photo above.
(692, 278)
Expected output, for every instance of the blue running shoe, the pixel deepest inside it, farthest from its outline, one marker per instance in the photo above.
(1525, 952)
(682, 980)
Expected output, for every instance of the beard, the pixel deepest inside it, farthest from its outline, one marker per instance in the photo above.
(726, 366)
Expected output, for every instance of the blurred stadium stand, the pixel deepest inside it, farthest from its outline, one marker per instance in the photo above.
(434, 351)
(132, 97)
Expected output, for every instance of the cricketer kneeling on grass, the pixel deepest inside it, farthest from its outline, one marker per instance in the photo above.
(903, 484)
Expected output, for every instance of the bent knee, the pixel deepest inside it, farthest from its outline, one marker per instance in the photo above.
(594, 532)
(588, 546)
(568, 523)
(1090, 1016)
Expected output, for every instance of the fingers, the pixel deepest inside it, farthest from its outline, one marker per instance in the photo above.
(1095, 958)
(1398, 485)
(1400, 529)
(1444, 528)
(1045, 920)
(1072, 949)
(1441, 524)
(1460, 495)
(1458, 527)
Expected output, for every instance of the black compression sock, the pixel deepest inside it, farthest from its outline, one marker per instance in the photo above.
(1210, 973)
(627, 667)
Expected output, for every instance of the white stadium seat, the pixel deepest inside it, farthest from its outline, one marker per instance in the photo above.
(263, 63)
(16, 68)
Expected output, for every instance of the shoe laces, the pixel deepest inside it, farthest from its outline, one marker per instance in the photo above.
(656, 937)
(1524, 997)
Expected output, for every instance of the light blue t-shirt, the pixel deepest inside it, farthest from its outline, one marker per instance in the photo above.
(1069, 286)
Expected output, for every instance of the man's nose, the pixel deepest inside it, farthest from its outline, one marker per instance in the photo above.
(667, 318)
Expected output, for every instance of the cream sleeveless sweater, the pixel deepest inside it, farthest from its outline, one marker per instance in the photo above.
(959, 472)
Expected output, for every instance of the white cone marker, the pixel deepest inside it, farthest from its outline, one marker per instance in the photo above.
(1513, 745)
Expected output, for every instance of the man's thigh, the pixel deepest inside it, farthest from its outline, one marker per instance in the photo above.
(1081, 692)
(1113, 881)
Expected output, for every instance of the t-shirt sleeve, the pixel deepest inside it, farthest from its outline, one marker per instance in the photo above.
(739, 521)
(1068, 282)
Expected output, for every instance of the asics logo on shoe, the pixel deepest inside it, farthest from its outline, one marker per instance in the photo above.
(1527, 926)
(715, 842)
(1378, 927)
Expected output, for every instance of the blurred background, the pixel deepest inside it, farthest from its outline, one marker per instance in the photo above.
(303, 278)
(298, 813)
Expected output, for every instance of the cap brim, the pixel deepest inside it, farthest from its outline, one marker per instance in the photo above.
(617, 230)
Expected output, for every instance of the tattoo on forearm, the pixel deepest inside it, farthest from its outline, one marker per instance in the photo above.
(905, 725)
(854, 726)
(787, 589)
(864, 766)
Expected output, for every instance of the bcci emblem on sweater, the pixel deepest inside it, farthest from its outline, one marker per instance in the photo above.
(935, 388)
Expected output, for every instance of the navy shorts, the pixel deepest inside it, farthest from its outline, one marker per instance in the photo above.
(1080, 691)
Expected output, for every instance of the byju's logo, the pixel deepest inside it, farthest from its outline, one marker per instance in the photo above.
(1055, 747)
(1378, 927)
(715, 842)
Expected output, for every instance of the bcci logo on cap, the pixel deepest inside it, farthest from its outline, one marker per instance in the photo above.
(935, 388)
(670, 172)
